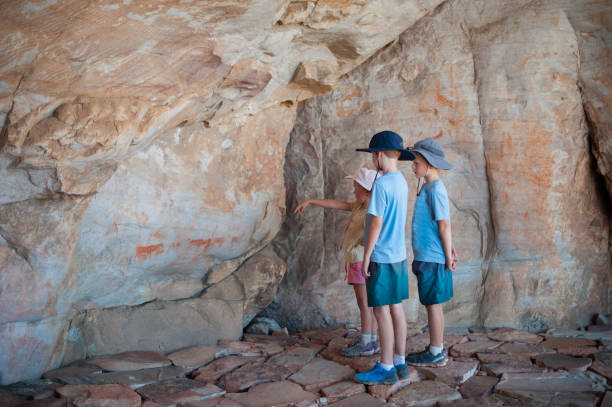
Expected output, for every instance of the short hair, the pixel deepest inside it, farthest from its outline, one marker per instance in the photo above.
(393, 153)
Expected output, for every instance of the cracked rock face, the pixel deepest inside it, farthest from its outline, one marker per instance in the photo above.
(142, 148)
(147, 151)
(503, 87)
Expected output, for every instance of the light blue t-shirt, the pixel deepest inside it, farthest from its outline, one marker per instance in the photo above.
(431, 206)
(389, 201)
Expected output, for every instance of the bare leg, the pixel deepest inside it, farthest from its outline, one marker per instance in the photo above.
(367, 317)
(385, 332)
(435, 319)
(400, 329)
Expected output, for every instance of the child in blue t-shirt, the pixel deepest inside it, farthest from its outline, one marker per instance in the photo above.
(384, 259)
(434, 255)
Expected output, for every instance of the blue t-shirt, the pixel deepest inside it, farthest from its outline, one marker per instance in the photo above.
(389, 201)
(431, 206)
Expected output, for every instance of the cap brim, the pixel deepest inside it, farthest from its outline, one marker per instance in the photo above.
(406, 156)
(439, 163)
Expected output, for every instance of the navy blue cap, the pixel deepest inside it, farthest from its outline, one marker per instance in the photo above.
(388, 140)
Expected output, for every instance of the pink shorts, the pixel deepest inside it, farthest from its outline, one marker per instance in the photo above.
(353, 273)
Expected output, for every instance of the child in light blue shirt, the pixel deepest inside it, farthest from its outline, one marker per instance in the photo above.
(434, 255)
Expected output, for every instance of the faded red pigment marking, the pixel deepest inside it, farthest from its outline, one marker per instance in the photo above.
(235, 239)
(438, 135)
(175, 245)
(158, 235)
(115, 228)
(453, 122)
(144, 252)
(219, 241)
(441, 99)
(207, 243)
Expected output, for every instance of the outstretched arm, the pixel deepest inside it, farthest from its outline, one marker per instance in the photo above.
(444, 227)
(323, 203)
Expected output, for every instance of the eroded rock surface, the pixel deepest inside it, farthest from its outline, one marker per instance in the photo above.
(147, 150)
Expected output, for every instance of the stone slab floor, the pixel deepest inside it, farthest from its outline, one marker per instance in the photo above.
(501, 367)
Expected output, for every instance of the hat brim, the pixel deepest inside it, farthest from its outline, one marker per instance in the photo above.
(406, 155)
(437, 162)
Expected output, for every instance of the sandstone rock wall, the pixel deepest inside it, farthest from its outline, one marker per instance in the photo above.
(504, 87)
(142, 148)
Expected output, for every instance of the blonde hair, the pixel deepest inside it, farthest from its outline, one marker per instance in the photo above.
(393, 153)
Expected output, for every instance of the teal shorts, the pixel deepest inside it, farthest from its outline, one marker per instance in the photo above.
(435, 282)
(387, 284)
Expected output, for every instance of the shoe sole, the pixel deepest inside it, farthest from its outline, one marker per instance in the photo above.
(377, 383)
(428, 364)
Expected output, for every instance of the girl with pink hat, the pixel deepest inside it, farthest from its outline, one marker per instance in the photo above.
(352, 246)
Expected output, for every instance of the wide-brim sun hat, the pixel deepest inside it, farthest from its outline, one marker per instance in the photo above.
(364, 177)
(433, 153)
(388, 140)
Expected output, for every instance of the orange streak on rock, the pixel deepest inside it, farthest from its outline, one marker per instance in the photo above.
(144, 252)
(441, 99)
(219, 241)
(207, 243)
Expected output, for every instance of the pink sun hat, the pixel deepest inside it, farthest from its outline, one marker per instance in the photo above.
(364, 177)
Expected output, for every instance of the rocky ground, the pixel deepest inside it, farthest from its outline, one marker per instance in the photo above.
(501, 367)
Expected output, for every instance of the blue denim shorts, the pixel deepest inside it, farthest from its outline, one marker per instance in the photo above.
(435, 282)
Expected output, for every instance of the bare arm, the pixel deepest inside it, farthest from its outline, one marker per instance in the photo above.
(373, 233)
(444, 227)
(323, 203)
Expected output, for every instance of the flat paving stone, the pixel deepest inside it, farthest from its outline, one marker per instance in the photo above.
(549, 382)
(604, 357)
(473, 402)
(470, 348)
(324, 335)
(174, 391)
(557, 361)
(251, 348)
(478, 337)
(196, 356)
(321, 373)
(453, 374)
(556, 399)
(46, 402)
(219, 367)
(360, 400)
(296, 358)
(425, 393)
(504, 358)
(384, 391)
(132, 379)
(342, 390)
(32, 389)
(602, 369)
(478, 386)
(571, 346)
(601, 336)
(276, 394)
(497, 369)
(281, 340)
(105, 395)
(72, 370)
(524, 349)
(514, 335)
(216, 402)
(253, 374)
(133, 360)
